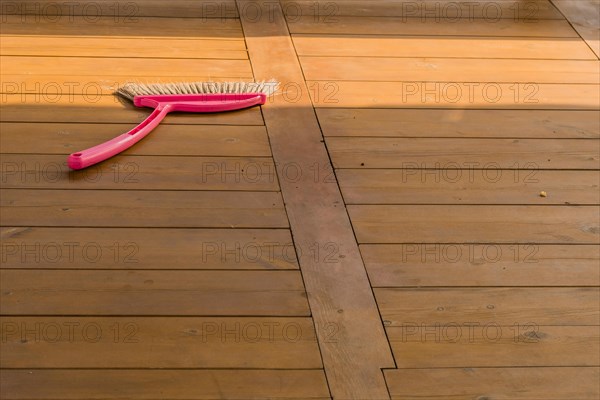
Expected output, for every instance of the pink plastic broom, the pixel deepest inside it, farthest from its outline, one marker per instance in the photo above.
(196, 97)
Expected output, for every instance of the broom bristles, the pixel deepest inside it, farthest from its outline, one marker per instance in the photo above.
(130, 90)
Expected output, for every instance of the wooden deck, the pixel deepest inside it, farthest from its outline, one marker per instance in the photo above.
(415, 216)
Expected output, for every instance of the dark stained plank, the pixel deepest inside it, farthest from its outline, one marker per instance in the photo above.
(338, 290)
(444, 27)
(233, 49)
(105, 109)
(143, 27)
(460, 123)
(129, 208)
(121, 10)
(502, 306)
(449, 70)
(159, 384)
(524, 344)
(166, 139)
(469, 186)
(482, 265)
(549, 383)
(475, 224)
(446, 153)
(189, 293)
(166, 249)
(426, 10)
(159, 342)
(141, 173)
(480, 95)
(443, 46)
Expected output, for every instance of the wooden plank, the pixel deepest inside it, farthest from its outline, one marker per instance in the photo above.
(141, 173)
(459, 123)
(164, 293)
(583, 15)
(435, 10)
(479, 95)
(443, 46)
(122, 47)
(470, 186)
(522, 345)
(406, 265)
(172, 384)
(475, 224)
(158, 342)
(129, 208)
(166, 140)
(143, 27)
(445, 27)
(126, 11)
(551, 383)
(449, 70)
(338, 291)
(491, 154)
(164, 249)
(105, 109)
(502, 306)
(53, 74)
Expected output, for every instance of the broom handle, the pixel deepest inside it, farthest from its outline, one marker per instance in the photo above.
(94, 155)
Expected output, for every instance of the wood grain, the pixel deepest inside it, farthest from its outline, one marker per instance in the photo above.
(583, 15)
(157, 384)
(129, 208)
(479, 47)
(140, 27)
(475, 224)
(502, 306)
(105, 109)
(483, 345)
(443, 153)
(444, 27)
(165, 293)
(449, 70)
(122, 47)
(159, 342)
(469, 186)
(423, 9)
(398, 122)
(131, 249)
(406, 265)
(551, 383)
(165, 140)
(142, 173)
(478, 95)
(121, 9)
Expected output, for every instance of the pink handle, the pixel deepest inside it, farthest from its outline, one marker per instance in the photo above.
(106, 150)
(163, 104)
